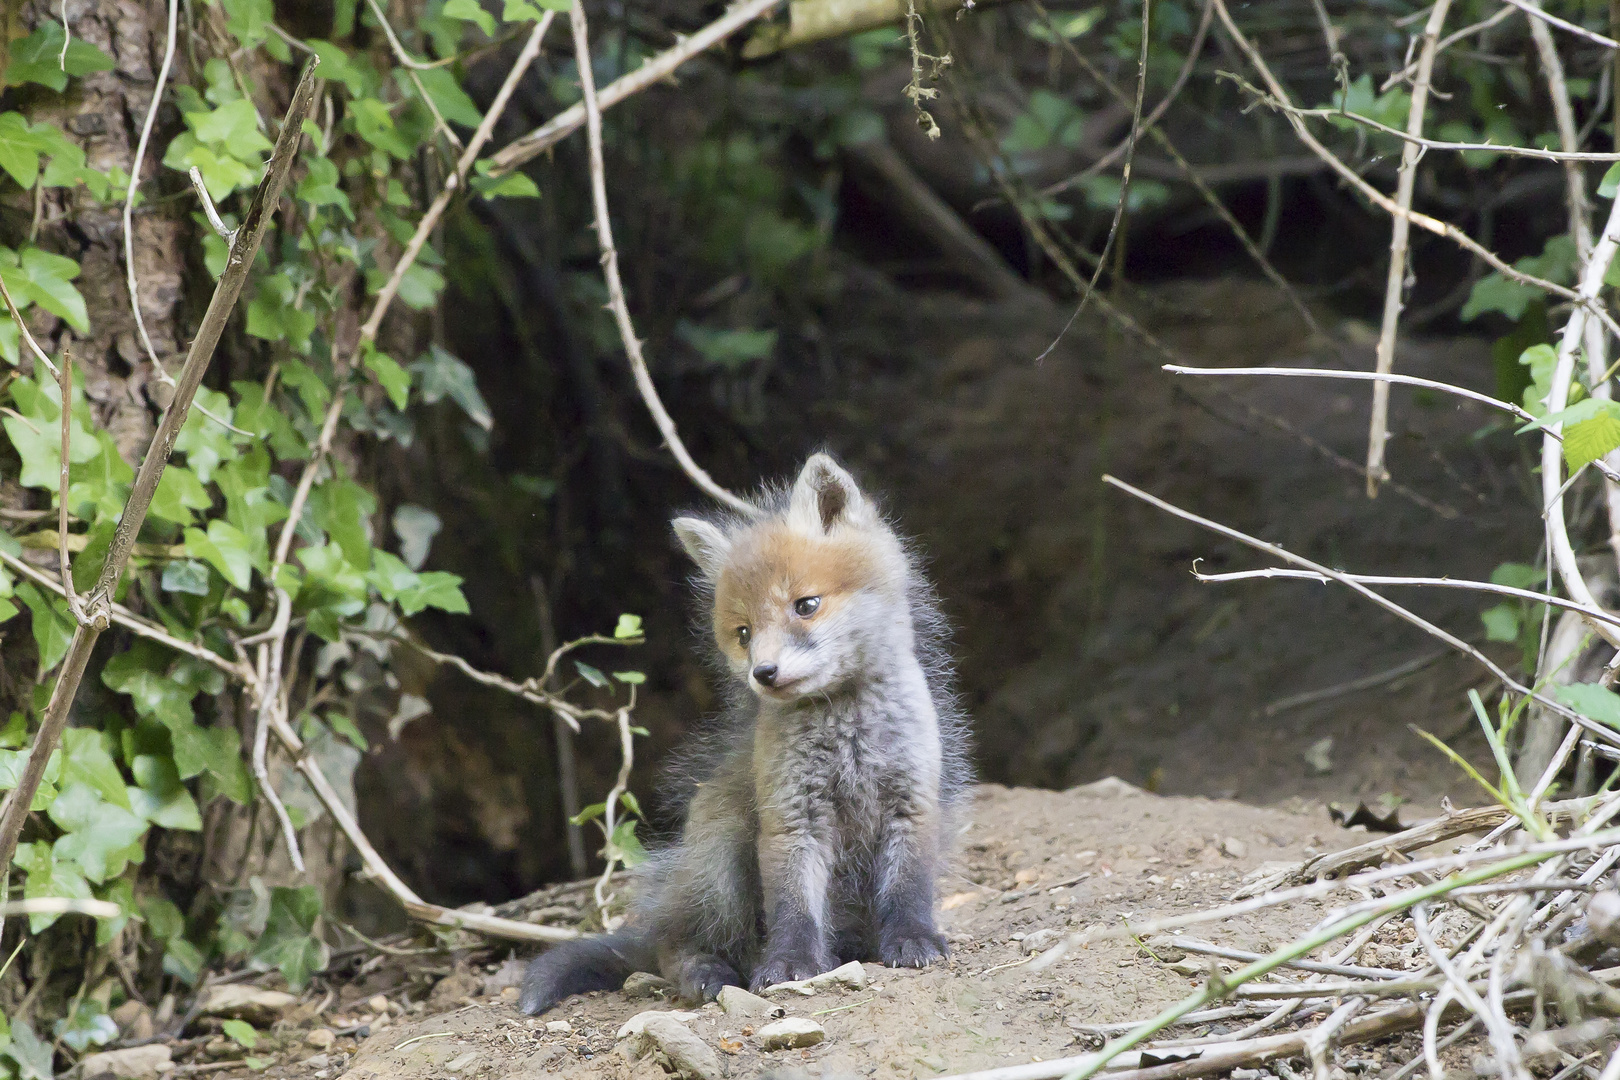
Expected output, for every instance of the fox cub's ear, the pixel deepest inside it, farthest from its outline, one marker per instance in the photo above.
(823, 496)
(708, 546)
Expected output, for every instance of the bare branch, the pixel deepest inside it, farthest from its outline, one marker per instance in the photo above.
(1439, 583)
(1279, 552)
(1279, 98)
(615, 287)
(64, 383)
(654, 70)
(1400, 231)
(134, 184)
(453, 182)
(1535, 12)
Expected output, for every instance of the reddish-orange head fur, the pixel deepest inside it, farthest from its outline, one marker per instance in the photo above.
(800, 594)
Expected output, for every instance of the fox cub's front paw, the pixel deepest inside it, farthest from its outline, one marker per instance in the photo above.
(780, 969)
(916, 948)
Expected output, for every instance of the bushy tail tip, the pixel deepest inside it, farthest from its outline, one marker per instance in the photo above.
(593, 963)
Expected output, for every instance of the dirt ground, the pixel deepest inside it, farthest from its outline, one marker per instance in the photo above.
(1033, 865)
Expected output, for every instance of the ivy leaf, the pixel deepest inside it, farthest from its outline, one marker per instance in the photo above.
(630, 678)
(1501, 622)
(274, 315)
(205, 442)
(99, 834)
(353, 71)
(471, 11)
(216, 751)
(416, 526)
(343, 509)
(395, 380)
(48, 876)
(345, 726)
(442, 375)
(38, 58)
(514, 185)
(625, 845)
(53, 624)
(88, 1026)
(1592, 701)
(629, 627)
(243, 1032)
(591, 675)
(451, 100)
(434, 588)
(160, 797)
(225, 548)
(32, 1054)
(289, 941)
(12, 763)
(375, 124)
(179, 492)
(85, 760)
(1610, 182)
(419, 287)
(319, 187)
(1591, 439)
(142, 673)
(46, 280)
(1519, 576)
(19, 149)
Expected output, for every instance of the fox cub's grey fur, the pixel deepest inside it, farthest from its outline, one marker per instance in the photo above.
(815, 834)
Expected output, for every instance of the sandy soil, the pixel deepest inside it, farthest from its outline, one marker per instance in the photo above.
(1032, 861)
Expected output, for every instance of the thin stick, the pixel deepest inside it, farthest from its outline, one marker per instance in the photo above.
(1400, 232)
(1391, 377)
(98, 603)
(1535, 12)
(60, 905)
(135, 182)
(134, 623)
(1562, 553)
(1442, 583)
(615, 287)
(610, 808)
(269, 691)
(1382, 601)
(64, 383)
(1384, 202)
(454, 181)
(27, 335)
(1426, 143)
(1352, 686)
(653, 71)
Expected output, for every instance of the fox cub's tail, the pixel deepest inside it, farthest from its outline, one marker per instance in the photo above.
(602, 962)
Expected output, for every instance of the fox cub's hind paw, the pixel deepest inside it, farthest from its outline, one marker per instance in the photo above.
(914, 949)
(701, 978)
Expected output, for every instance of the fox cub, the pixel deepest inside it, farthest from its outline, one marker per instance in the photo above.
(837, 780)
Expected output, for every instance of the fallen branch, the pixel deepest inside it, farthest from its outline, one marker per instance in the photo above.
(98, 602)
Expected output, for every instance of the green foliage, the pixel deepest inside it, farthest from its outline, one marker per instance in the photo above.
(153, 740)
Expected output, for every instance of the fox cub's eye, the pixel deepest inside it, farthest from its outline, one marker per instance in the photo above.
(743, 635)
(806, 606)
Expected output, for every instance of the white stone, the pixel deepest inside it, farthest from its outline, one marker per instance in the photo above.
(735, 1001)
(638, 1023)
(1040, 940)
(791, 1033)
(135, 1061)
(245, 1003)
(688, 1056)
(559, 1027)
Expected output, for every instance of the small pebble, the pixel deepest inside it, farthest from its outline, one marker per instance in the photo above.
(559, 1027)
(643, 984)
(459, 1063)
(321, 1038)
(1040, 940)
(378, 1004)
(316, 1061)
(740, 1003)
(792, 1033)
(1234, 848)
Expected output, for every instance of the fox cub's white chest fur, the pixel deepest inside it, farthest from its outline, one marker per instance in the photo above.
(824, 814)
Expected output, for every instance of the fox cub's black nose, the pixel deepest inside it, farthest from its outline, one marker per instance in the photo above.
(765, 674)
